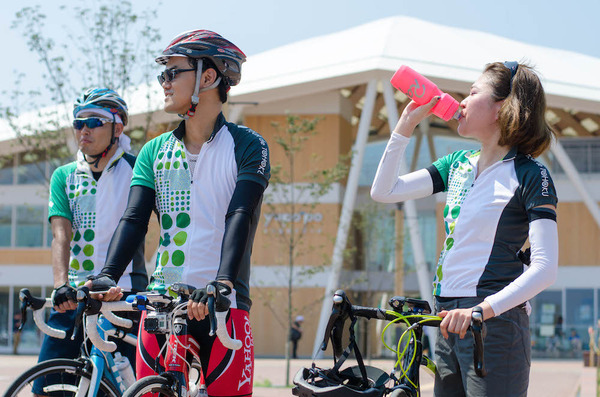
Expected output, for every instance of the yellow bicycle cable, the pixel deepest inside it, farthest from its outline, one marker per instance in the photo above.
(410, 331)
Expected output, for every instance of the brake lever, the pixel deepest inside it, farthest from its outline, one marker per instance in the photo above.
(478, 329)
(335, 325)
(24, 304)
(78, 319)
(211, 291)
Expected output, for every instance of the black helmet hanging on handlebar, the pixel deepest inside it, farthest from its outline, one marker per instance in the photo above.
(317, 382)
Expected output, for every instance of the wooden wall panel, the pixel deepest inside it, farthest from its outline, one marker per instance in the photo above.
(578, 236)
(25, 256)
(268, 317)
(319, 151)
(271, 247)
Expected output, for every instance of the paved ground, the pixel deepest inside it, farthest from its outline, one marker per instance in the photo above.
(565, 378)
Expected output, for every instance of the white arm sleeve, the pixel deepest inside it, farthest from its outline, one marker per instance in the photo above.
(543, 236)
(388, 187)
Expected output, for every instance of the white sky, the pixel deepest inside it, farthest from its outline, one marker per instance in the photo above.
(259, 25)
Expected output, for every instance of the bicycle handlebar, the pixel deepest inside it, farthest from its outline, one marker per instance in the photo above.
(91, 309)
(342, 310)
(217, 304)
(38, 305)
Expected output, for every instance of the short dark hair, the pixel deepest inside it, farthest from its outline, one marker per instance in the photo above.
(223, 87)
(522, 117)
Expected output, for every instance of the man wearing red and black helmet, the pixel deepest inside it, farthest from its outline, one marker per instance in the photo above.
(207, 179)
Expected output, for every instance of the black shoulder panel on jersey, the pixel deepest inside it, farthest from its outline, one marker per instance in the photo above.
(130, 158)
(535, 184)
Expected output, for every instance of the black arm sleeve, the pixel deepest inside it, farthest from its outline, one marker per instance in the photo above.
(130, 232)
(240, 225)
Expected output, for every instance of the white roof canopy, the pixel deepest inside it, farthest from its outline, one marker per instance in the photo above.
(453, 57)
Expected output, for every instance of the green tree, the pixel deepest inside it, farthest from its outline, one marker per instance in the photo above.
(110, 46)
(291, 216)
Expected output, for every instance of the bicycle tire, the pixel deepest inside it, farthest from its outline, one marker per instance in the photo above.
(155, 384)
(68, 372)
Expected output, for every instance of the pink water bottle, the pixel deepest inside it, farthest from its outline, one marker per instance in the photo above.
(421, 90)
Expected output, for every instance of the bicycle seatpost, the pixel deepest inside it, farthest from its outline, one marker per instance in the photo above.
(478, 330)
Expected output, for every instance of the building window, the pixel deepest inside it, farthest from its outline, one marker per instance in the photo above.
(32, 168)
(584, 153)
(6, 170)
(5, 225)
(29, 226)
(580, 315)
(428, 226)
(4, 313)
(379, 238)
(547, 323)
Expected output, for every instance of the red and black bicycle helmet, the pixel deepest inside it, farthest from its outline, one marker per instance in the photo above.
(226, 56)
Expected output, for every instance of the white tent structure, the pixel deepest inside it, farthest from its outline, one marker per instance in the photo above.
(361, 61)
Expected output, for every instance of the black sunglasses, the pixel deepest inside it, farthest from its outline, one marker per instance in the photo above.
(91, 122)
(513, 66)
(170, 74)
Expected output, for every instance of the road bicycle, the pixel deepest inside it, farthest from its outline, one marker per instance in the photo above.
(167, 314)
(96, 372)
(367, 381)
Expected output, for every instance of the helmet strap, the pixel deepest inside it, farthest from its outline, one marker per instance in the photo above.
(98, 157)
(346, 353)
(198, 90)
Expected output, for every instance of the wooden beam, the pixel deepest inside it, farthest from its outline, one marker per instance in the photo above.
(357, 93)
(567, 120)
(580, 116)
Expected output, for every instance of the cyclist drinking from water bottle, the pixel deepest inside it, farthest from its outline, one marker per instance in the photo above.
(497, 197)
(206, 178)
(87, 199)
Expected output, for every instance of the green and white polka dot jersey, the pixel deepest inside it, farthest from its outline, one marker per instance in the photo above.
(486, 220)
(192, 211)
(75, 195)
(461, 178)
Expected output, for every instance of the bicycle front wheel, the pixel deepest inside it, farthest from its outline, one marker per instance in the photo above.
(155, 384)
(57, 378)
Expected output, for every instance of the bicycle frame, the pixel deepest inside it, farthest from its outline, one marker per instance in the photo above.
(104, 363)
(169, 317)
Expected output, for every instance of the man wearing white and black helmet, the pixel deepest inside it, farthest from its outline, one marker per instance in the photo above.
(87, 199)
(207, 178)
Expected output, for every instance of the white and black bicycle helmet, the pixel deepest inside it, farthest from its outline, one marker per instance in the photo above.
(317, 382)
(106, 102)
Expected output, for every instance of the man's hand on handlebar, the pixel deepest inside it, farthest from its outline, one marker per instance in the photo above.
(64, 298)
(457, 321)
(197, 309)
(104, 288)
